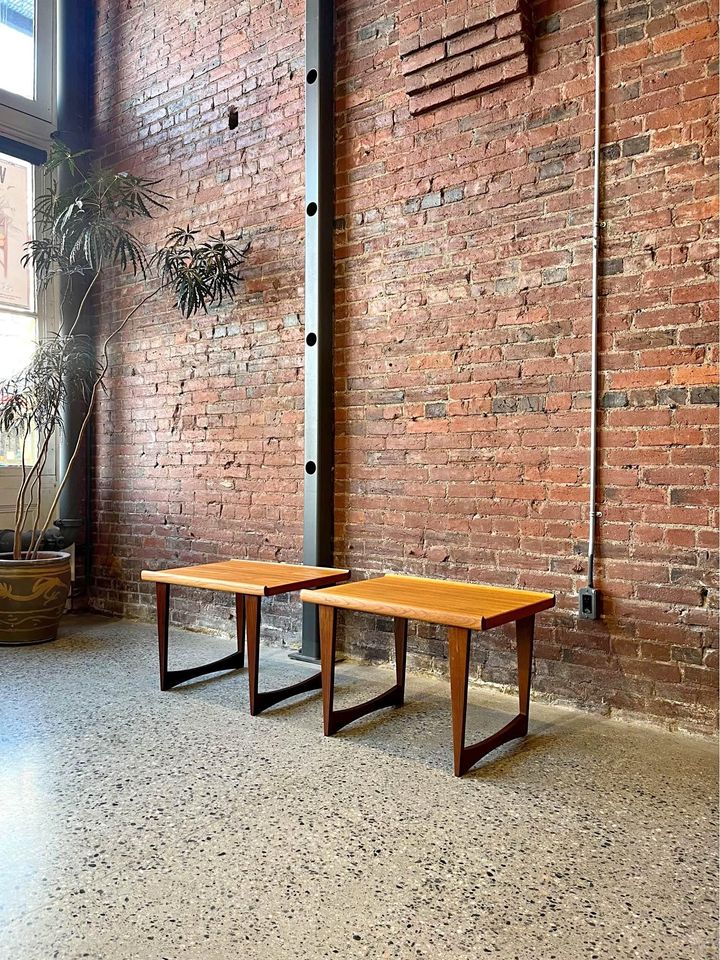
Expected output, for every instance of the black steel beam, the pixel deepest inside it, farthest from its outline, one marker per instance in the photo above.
(319, 299)
(75, 87)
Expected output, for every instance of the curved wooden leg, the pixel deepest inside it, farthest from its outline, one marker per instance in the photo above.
(171, 678)
(334, 720)
(261, 700)
(459, 641)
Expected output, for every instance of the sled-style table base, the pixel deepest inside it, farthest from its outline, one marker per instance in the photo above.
(462, 607)
(250, 581)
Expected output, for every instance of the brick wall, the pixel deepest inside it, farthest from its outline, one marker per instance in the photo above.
(200, 436)
(462, 331)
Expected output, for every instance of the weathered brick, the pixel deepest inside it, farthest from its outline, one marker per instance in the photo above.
(554, 275)
(609, 268)
(464, 52)
(612, 399)
(631, 34)
(635, 145)
(431, 200)
(705, 395)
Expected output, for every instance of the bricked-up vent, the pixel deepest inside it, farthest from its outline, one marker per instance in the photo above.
(451, 49)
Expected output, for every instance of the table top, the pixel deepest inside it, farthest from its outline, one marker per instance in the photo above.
(447, 602)
(253, 577)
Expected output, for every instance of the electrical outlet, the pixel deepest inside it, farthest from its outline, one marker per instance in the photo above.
(590, 603)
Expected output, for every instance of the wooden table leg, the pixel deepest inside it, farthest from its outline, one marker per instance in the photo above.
(459, 658)
(334, 720)
(171, 678)
(328, 624)
(240, 626)
(162, 597)
(400, 656)
(459, 645)
(524, 632)
(252, 613)
(261, 700)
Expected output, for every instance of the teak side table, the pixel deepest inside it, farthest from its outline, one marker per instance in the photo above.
(462, 607)
(250, 581)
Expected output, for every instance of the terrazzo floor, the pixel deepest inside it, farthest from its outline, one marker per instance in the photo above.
(135, 824)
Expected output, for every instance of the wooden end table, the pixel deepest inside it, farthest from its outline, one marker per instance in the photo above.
(250, 581)
(462, 607)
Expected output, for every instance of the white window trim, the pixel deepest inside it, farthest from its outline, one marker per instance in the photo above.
(32, 121)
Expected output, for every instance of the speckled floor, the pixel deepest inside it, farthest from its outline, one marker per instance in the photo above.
(135, 824)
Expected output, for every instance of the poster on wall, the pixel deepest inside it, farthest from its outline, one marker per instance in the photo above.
(14, 232)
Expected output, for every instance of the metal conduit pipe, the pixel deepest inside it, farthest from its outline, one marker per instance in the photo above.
(589, 595)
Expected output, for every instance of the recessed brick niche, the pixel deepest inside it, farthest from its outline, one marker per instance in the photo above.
(451, 49)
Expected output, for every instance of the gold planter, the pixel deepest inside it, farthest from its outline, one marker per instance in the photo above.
(33, 594)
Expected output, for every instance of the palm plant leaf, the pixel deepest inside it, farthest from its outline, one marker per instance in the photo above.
(201, 274)
(86, 218)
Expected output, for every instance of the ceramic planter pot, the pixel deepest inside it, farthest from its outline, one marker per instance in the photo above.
(33, 594)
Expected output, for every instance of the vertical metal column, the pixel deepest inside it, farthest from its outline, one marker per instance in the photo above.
(75, 120)
(319, 298)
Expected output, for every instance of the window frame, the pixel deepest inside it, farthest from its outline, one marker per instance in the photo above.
(32, 121)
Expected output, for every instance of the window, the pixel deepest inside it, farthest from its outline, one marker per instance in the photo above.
(27, 70)
(25, 317)
(28, 61)
(19, 328)
(17, 48)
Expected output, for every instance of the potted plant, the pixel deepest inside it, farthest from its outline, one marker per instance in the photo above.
(83, 229)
